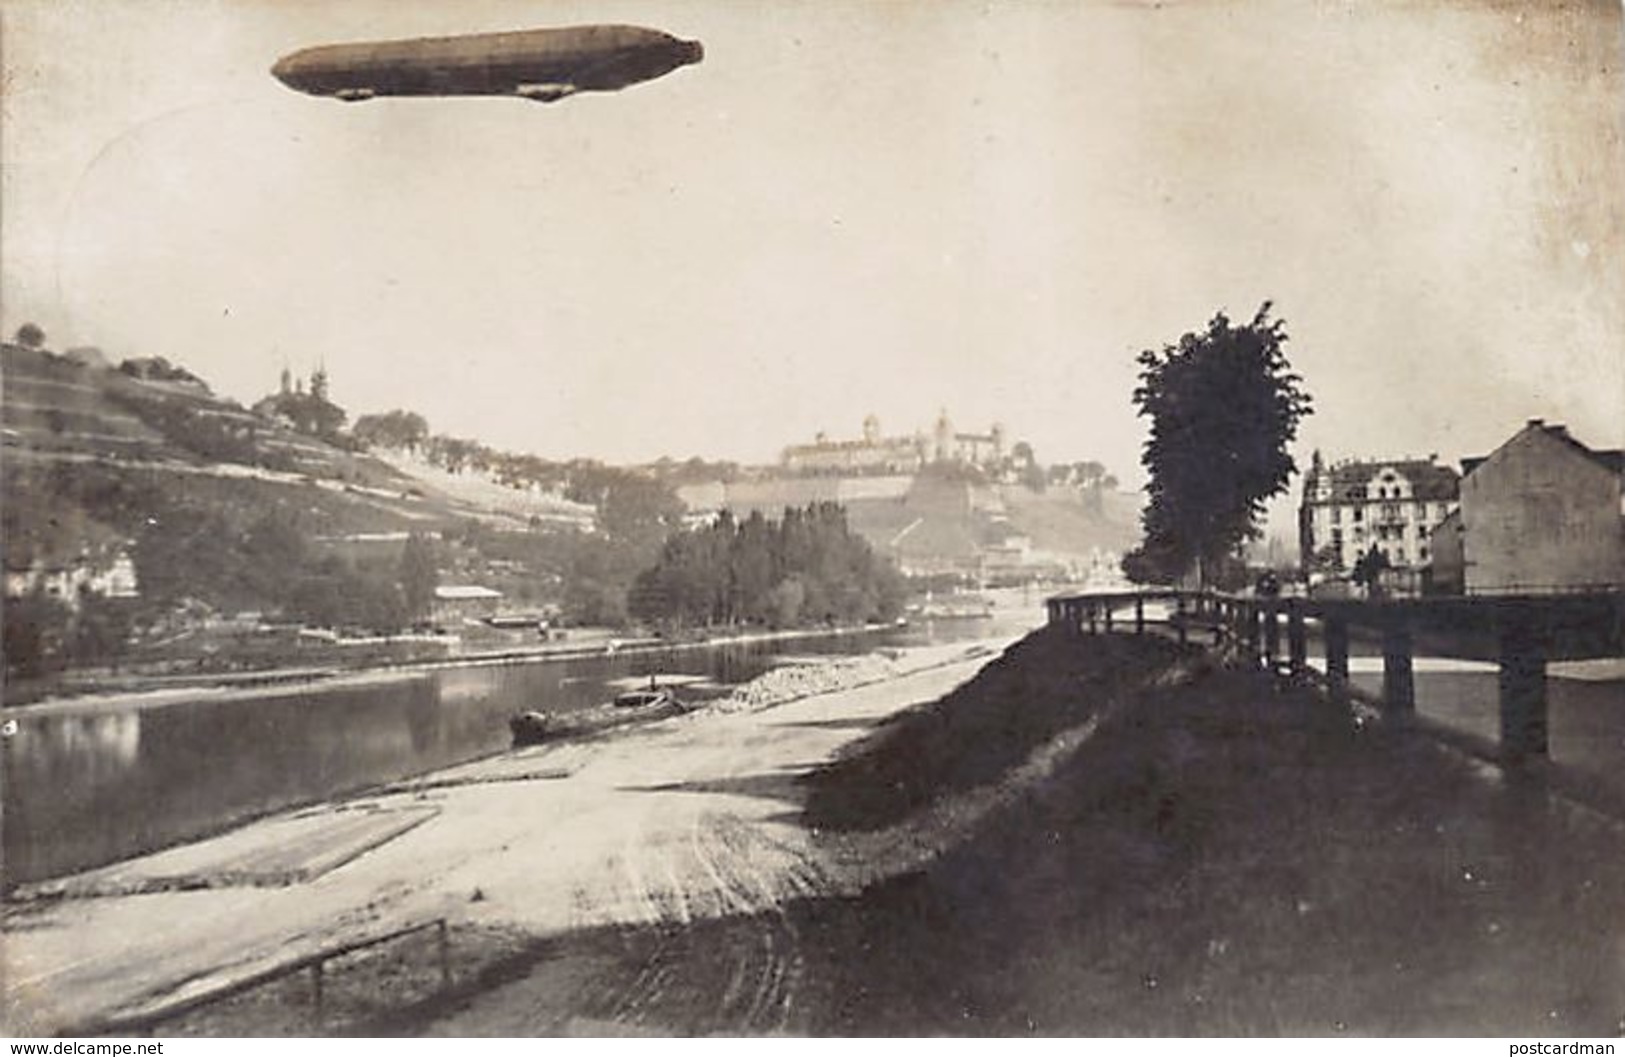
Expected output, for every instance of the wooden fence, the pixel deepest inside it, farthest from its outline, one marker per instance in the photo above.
(142, 1022)
(1522, 633)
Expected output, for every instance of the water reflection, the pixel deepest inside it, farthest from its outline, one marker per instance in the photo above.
(86, 789)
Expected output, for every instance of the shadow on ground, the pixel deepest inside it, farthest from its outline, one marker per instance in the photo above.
(1223, 857)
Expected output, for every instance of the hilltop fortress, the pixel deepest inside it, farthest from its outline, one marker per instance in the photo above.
(878, 454)
(938, 502)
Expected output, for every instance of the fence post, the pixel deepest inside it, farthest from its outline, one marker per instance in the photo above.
(1523, 691)
(316, 986)
(1297, 640)
(1139, 614)
(1398, 684)
(1107, 606)
(1272, 635)
(1091, 618)
(1337, 658)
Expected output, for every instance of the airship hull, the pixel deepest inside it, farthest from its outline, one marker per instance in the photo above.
(541, 64)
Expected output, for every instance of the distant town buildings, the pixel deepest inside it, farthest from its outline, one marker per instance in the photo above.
(455, 603)
(875, 453)
(1541, 513)
(110, 575)
(1393, 505)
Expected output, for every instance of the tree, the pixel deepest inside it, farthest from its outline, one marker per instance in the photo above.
(1368, 570)
(393, 429)
(37, 629)
(1224, 406)
(418, 575)
(638, 509)
(101, 634)
(30, 336)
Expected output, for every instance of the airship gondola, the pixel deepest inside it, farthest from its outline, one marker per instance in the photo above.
(539, 64)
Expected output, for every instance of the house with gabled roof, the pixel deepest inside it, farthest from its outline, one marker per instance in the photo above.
(1540, 514)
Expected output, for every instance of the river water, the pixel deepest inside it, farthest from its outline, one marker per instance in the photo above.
(90, 786)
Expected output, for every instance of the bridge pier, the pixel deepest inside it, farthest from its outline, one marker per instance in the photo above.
(1250, 632)
(1398, 682)
(1523, 692)
(1297, 640)
(1337, 658)
(1139, 614)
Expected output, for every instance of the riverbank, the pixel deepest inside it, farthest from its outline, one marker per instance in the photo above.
(528, 844)
(1099, 837)
(160, 692)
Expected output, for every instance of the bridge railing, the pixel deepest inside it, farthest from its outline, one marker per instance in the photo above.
(1522, 633)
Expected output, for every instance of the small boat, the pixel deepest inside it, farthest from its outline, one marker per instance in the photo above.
(650, 698)
(634, 706)
(529, 728)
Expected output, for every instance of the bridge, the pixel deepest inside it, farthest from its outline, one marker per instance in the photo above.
(1521, 633)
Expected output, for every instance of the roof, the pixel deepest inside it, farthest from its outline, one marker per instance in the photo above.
(464, 593)
(1429, 480)
(1612, 460)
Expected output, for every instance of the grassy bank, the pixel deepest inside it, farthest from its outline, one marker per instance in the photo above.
(1223, 857)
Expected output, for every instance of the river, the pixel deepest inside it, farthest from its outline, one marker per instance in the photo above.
(85, 787)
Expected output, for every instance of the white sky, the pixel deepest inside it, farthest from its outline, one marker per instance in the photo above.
(886, 207)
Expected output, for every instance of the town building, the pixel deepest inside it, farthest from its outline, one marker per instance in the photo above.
(970, 449)
(1542, 513)
(873, 454)
(1393, 505)
(456, 603)
(109, 575)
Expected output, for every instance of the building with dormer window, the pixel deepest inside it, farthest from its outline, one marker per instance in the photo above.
(1393, 505)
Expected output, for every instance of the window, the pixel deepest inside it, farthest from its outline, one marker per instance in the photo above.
(1337, 515)
(1359, 514)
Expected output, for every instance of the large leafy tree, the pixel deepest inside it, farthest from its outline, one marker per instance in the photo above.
(392, 429)
(1224, 407)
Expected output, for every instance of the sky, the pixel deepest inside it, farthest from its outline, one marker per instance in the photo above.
(887, 208)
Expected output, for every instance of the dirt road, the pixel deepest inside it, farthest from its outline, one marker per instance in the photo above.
(684, 820)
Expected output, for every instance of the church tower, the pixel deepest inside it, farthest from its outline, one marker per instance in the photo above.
(944, 437)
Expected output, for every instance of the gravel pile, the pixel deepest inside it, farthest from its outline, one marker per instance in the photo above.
(804, 680)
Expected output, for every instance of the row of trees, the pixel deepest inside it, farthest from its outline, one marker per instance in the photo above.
(580, 480)
(269, 564)
(44, 634)
(809, 567)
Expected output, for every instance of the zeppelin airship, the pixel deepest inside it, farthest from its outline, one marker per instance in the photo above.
(540, 64)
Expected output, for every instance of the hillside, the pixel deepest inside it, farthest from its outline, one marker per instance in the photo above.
(156, 424)
(1061, 521)
(936, 522)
